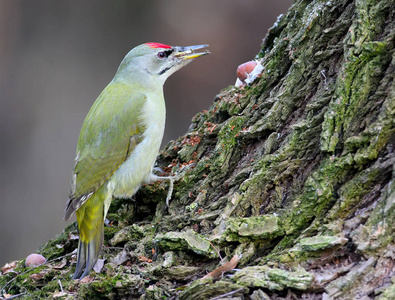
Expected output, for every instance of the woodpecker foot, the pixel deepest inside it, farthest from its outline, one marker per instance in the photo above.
(108, 223)
(181, 173)
(158, 170)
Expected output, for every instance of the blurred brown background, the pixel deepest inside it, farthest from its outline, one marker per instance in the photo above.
(57, 56)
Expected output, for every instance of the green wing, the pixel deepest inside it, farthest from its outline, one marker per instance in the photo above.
(110, 132)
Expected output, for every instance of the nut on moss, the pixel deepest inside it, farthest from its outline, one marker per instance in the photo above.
(34, 260)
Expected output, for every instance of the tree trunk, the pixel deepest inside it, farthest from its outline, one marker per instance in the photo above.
(294, 176)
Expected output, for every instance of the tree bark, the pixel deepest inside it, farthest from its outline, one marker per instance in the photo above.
(294, 175)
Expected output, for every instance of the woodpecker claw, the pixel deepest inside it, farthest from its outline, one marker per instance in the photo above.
(171, 179)
(158, 170)
(170, 191)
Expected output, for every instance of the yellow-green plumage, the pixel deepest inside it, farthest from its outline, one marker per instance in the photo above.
(118, 143)
(110, 133)
(105, 135)
(91, 226)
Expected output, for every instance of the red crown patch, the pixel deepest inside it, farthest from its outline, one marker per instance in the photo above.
(158, 45)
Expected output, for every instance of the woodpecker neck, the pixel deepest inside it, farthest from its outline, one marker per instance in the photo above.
(139, 78)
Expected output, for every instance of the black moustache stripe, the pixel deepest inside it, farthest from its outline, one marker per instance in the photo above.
(164, 70)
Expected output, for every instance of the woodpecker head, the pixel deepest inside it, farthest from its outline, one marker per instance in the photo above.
(157, 60)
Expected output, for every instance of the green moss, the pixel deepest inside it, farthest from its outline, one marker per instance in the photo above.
(318, 194)
(60, 245)
(275, 63)
(377, 233)
(353, 88)
(273, 278)
(105, 288)
(319, 243)
(179, 273)
(206, 289)
(287, 242)
(51, 287)
(38, 283)
(109, 232)
(263, 228)
(352, 192)
(298, 279)
(222, 157)
(188, 240)
(192, 207)
(388, 292)
(231, 107)
(227, 141)
(306, 249)
(129, 233)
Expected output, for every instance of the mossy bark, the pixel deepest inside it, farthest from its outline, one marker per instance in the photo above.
(295, 172)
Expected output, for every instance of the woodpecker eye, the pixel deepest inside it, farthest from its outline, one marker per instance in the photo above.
(164, 54)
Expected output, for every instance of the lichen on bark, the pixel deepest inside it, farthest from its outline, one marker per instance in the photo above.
(294, 172)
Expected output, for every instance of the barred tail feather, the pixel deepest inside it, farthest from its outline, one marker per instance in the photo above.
(90, 219)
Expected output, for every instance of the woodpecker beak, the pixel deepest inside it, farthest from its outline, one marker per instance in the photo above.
(188, 52)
